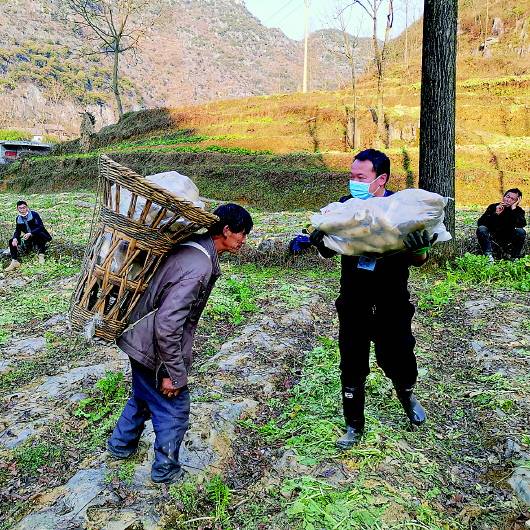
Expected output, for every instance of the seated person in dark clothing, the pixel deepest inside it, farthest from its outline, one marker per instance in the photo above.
(29, 232)
(502, 223)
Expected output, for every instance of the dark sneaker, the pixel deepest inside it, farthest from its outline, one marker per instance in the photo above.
(121, 455)
(171, 478)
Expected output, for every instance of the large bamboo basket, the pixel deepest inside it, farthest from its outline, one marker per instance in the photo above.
(112, 282)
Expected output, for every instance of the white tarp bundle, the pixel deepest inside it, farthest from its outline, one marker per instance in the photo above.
(180, 185)
(379, 224)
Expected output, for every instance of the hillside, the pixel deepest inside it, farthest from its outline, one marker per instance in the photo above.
(196, 51)
(493, 40)
(290, 150)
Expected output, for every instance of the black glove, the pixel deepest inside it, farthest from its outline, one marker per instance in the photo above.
(316, 238)
(418, 242)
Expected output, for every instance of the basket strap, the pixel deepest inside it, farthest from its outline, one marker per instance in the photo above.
(131, 326)
(198, 247)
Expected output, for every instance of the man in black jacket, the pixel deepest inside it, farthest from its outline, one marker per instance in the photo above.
(503, 223)
(30, 232)
(374, 305)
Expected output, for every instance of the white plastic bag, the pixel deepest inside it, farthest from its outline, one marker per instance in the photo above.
(180, 185)
(379, 224)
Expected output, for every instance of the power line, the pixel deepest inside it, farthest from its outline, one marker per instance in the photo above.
(278, 11)
(296, 7)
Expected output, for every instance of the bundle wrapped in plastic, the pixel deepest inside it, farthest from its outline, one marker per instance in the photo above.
(180, 185)
(379, 224)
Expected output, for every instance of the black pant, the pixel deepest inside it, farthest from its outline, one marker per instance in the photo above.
(33, 241)
(382, 313)
(516, 239)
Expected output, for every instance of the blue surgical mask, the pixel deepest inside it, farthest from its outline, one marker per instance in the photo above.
(360, 190)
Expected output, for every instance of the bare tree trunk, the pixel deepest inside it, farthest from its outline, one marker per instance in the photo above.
(438, 99)
(115, 85)
(379, 72)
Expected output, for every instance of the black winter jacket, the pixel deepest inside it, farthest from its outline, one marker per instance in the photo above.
(36, 227)
(503, 224)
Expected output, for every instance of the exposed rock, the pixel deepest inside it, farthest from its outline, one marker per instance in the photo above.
(59, 384)
(26, 347)
(4, 365)
(299, 317)
(56, 319)
(520, 482)
(497, 28)
(15, 435)
(477, 308)
(84, 204)
(79, 492)
(511, 449)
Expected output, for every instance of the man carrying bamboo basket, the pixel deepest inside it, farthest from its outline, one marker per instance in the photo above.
(159, 341)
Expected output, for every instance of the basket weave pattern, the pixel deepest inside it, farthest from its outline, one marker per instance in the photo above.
(126, 250)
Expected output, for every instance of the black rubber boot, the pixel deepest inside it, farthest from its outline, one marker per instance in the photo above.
(413, 409)
(353, 406)
(352, 437)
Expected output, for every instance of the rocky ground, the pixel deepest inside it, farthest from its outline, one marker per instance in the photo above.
(265, 408)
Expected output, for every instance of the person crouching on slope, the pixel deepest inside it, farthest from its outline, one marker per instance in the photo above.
(29, 232)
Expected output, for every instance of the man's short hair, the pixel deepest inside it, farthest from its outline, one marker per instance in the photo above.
(379, 160)
(234, 216)
(514, 190)
(20, 203)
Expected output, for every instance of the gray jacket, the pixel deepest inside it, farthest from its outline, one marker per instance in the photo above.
(162, 326)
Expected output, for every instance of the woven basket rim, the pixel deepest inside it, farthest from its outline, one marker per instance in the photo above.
(171, 197)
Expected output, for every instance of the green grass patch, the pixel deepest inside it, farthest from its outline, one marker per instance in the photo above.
(180, 137)
(233, 299)
(197, 505)
(310, 419)
(32, 457)
(320, 505)
(60, 349)
(13, 134)
(472, 271)
(39, 299)
(104, 406)
(124, 473)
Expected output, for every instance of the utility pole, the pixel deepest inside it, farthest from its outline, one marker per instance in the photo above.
(306, 65)
(407, 34)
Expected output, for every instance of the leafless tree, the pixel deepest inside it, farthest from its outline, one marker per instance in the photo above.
(350, 44)
(373, 9)
(115, 26)
(406, 5)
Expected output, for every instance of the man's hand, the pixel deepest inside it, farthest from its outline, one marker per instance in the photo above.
(167, 388)
(516, 203)
(419, 243)
(15, 242)
(499, 209)
(25, 237)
